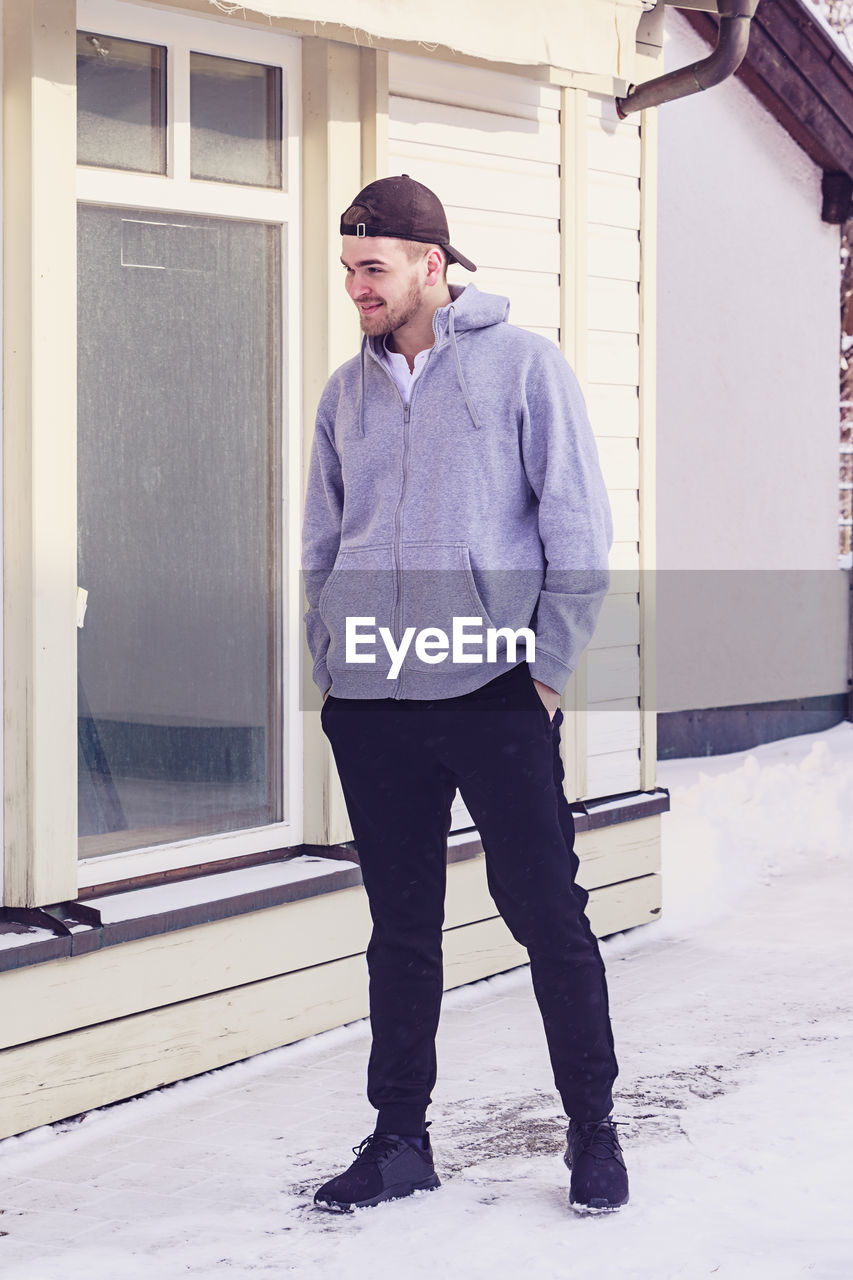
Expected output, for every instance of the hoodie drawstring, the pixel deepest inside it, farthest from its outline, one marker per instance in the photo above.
(459, 375)
(361, 404)
(460, 378)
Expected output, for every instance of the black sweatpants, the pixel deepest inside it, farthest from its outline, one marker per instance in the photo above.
(400, 762)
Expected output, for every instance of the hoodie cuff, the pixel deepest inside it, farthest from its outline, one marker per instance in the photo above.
(550, 670)
(320, 676)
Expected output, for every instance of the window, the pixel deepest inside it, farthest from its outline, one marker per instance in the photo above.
(235, 118)
(187, 223)
(121, 103)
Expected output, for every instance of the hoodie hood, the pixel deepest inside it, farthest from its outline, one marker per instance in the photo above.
(474, 309)
(468, 309)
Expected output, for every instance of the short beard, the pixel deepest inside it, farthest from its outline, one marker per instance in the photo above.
(391, 318)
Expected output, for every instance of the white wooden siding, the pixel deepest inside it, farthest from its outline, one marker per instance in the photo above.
(614, 410)
(483, 89)
(613, 663)
(489, 145)
(614, 200)
(614, 773)
(612, 673)
(620, 462)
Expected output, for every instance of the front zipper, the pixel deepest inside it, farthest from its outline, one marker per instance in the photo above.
(397, 550)
(398, 543)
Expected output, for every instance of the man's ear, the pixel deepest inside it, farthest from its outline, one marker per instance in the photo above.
(435, 266)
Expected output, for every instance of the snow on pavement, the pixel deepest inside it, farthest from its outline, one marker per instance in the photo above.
(731, 1018)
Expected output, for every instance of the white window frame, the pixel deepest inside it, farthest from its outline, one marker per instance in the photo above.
(177, 192)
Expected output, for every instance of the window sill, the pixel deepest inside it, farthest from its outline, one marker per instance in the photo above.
(143, 913)
(108, 919)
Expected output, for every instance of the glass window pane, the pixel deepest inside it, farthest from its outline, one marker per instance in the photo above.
(121, 103)
(179, 527)
(235, 115)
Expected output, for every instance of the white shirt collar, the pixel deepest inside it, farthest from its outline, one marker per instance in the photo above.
(396, 357)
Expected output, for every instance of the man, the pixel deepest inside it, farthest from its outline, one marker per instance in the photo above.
(454, 499)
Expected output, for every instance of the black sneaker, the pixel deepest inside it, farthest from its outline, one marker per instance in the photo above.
(599, 1177)
(386, 1167)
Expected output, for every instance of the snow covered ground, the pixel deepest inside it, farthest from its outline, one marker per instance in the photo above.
(732, 1029)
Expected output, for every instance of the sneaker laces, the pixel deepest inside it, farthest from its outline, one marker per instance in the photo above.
(599, 1138)
(373, 1147)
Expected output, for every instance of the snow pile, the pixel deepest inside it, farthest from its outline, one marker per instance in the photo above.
(747, 817)
(836, 18)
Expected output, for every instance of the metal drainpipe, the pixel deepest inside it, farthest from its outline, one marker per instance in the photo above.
(732, 40)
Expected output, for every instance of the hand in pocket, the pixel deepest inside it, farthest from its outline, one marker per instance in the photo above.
(549, 696)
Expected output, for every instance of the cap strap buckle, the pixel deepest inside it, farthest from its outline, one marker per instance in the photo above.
(361, 230)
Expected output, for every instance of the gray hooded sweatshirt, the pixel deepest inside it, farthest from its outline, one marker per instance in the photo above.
(477, 508)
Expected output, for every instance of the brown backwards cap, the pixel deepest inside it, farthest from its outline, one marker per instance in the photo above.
(404, 209)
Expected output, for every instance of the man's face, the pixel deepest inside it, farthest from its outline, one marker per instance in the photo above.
(386, 286)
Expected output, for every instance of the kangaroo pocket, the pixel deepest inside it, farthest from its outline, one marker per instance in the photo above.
(440, 600)
(358, 598)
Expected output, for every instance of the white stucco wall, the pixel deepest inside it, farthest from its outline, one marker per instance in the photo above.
(747, 426)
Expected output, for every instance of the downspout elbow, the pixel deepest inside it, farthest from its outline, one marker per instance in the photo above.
(732, 41)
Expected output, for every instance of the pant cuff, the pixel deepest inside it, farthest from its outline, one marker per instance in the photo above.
(585, 1115)
(401, 1118)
